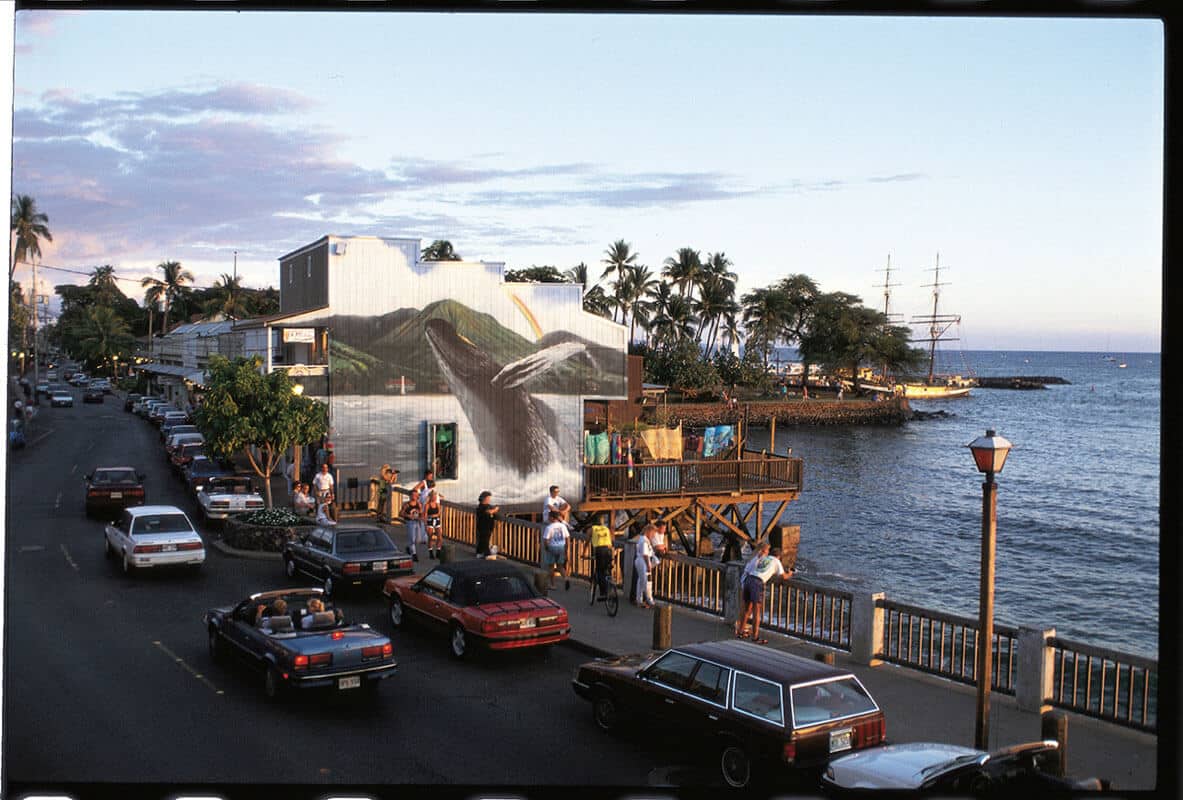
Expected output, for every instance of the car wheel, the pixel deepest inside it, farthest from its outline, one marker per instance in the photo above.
(458, 641)
(396, 611)
(215, 647)
(107, 551)
(735, 765)
(289, 567)
(605, 712)
(328, 586)
(272, 684)
(128, 569)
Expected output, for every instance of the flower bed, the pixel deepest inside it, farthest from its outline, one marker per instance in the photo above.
(264, 530)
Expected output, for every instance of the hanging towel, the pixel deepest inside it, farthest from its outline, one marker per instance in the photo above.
(671, 443)
(602, 447)
(589, 448)
(708, 442)
(653, 443)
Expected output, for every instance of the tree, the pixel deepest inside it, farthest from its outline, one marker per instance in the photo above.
(800, 293)
(256, 414)
(684, 269)
(104, 338)
(546, 274)
(632, 287)
(764, 314)
(225, 297)
(845, 334)
(681, 366)
(595, 301)
(168, 288)
(29, 227)
(102, 281)
(20, 318)
(439, 250)
(619, 259)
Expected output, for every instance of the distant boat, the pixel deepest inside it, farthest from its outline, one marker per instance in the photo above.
(1108, 358)
(1122, 365)
(936, 387)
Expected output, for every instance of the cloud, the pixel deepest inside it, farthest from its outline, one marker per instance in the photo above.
(903, 176)
(38, 25)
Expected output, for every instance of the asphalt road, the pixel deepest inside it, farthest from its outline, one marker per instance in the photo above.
(107, 679)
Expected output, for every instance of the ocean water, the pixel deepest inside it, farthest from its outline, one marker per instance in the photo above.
(898, 509)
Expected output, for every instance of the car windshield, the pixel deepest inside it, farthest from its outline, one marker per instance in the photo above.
(103, 477)
(358, 541)
(203, 466)
(825, 701)
(499, 589)
(161, 523)
(230, 485)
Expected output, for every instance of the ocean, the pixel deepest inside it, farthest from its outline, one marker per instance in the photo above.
(898, 509)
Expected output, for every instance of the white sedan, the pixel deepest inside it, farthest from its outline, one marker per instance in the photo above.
(154, 536)
(222, 497)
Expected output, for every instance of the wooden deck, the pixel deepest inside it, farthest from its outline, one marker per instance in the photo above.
(757, 473)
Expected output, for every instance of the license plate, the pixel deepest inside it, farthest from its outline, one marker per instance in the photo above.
(532, 622)
(378, 566)
(352, 682)
(840, 740)
(168, 548)
(116, 495)
(238, 505)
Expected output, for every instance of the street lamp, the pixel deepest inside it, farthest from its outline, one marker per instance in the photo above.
(989, 453)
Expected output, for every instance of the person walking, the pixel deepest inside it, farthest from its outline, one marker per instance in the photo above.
(554, 549)
(763, 566)
(432, 514)
(323, 483)
(600, 539)
(412, 514)
(485, 522)
(645, 560)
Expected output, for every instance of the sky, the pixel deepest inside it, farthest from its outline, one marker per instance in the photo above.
(1027, 152)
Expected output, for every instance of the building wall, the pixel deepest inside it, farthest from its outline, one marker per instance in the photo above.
(417, 344)
(304, 278)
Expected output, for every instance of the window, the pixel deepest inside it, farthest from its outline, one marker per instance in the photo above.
(499, 589)
(710, 683)
(161, 523)
(308, 272)
(817, 702)
(672, 669)
(759, 698)
(437, 583)
(290, 274)
(441, 450)
(363, 541)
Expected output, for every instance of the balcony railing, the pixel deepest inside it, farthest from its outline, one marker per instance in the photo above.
(1104, 683)
(757, 472)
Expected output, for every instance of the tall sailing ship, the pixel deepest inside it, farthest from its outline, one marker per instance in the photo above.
(932, 386)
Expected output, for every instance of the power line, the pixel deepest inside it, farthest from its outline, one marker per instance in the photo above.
(89, 272)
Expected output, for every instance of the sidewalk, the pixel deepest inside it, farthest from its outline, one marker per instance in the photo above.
(919, 707)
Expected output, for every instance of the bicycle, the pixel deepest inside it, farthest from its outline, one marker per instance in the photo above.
(612, 599)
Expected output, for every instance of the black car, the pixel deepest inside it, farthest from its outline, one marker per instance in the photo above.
(345, 556)
(109, 490)
(92, 395)
(130, 400)
(763, 712)
(296, 649)
(200, 470)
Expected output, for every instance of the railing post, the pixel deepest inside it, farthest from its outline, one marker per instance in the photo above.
(1034, 669)
(866, 628)
(732, 591)
(628, 570)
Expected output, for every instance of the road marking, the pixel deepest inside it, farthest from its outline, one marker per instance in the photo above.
(42, 436)
(31, 548)
(73, 469)
(176, 658)
(57, 503)
(69, 560)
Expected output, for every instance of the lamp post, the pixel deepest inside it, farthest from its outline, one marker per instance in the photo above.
(989, 453)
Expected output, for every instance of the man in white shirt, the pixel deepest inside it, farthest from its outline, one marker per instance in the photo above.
(554, 503)
(554, 549)
(323, 482)
(758, 571)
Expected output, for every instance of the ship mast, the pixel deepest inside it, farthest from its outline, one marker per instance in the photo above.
(891, 319)
(938, 324)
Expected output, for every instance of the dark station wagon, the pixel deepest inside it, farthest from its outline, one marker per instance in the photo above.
(109, 490)
(762, 710)
(345, 556)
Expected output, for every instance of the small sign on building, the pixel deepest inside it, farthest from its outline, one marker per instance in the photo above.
(299, 335)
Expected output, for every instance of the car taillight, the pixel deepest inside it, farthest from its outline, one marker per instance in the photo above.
(790, 752)
(220, 504)
(406, 564)
(93, 493)
(147, 548)
(190, 546)
(351, 569)
(254, 503)
(301, 662)
(136, 492)
(320, 659)
(377, 651)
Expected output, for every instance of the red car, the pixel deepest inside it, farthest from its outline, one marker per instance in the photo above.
(184, 454)
(478, 603)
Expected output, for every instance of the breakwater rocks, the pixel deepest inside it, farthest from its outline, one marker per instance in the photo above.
(1019, 382)
(893, 411)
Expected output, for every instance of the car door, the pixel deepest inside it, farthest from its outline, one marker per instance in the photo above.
(707, 692)
(238, 628)
(431, 598)
(322, 553)
(663, 685)
(118, 533)
(301, 550)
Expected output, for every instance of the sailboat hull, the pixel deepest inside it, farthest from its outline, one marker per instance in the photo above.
(920, 391)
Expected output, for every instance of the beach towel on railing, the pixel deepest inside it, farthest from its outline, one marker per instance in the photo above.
(602, 448)
(671, 443)
(716, 439)
(615, 448)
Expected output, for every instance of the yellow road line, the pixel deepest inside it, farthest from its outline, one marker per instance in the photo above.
(187, 668)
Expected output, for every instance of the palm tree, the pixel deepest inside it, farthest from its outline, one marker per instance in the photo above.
(764, 313)
(105, 336)
(168, 288)
(676, 323)
(226, 299)
(684, 269)
(619, 258)
(102, 280)
(29, 227)
(595, 301)
(716, 300)
(801, 295)
(632, 287)
(729, 328)
(439, 250)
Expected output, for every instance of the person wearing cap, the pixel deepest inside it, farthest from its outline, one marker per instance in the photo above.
(485, 522)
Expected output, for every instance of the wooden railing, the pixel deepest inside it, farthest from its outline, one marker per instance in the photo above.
(945, 644)
(808, 611)
(1106, 684)
(756, 472)
(691, 582)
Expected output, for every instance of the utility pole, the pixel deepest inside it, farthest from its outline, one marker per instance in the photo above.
(36, 346)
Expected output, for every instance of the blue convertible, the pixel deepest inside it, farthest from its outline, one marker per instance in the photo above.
(295, 638)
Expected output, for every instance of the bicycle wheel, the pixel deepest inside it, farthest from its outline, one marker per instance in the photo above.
(591, 592)
(612, 602)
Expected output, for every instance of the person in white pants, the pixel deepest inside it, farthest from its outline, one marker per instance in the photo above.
(646, 558)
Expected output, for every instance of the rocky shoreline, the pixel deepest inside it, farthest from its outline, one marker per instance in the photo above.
(892, 411)
(1020, 382)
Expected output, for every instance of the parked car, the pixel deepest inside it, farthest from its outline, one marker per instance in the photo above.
(149, 404)
(171, 420)
(765, 712)
(184, 453)
(1021, 770)
(130, 401)
(156, 415)
(179, 437)
(330, 652)
(199, 471)
(483, 603)
(92, 395)
(79, 379)
(345, 556)
(42, 387)
(111, 489)
(102, 384)
(61, 398)
(223, 497)
(154, 536)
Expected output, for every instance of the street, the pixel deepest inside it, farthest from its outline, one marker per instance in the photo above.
(107, 678)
